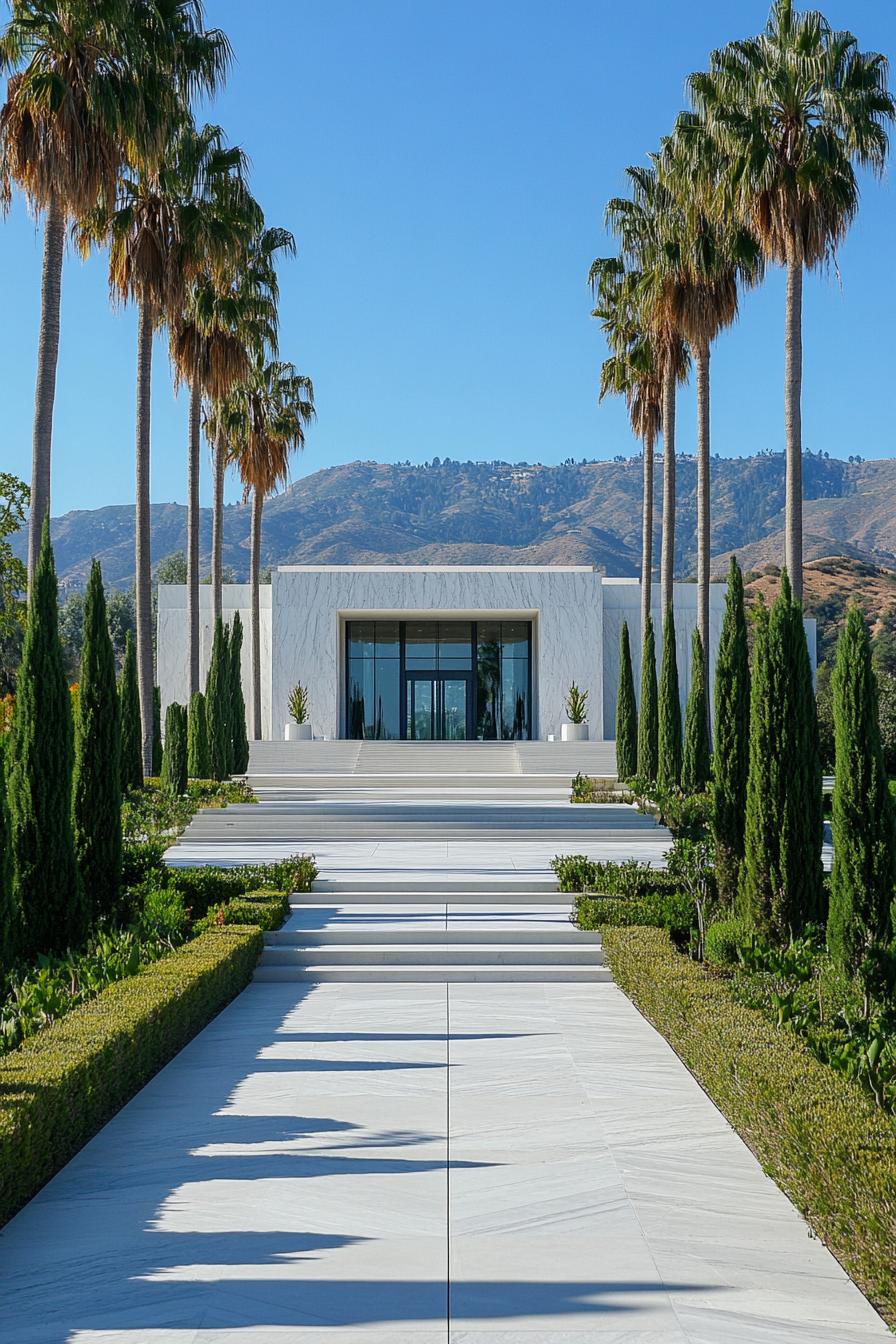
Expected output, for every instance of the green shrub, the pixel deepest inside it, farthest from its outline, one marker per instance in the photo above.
(574, 872)
(723, 939)
(265, 909)
(593, 912)
(648, 711)
(669, 733)
(203, 887)
(198, 757)
(174, 754)
(165, 915)
(629, 880)
(218, 703)
(661, 907)
(156, 732)
(131, 755)
(827, 1145)
(240, 740)
(140, 858)
(59, 1088)
(39, 762)
(96, 785)
(626, 712)
(584, 789)
(206, 886)
(296, 873)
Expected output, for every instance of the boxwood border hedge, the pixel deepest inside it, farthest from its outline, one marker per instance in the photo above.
(813, 1130)
(60, 1087)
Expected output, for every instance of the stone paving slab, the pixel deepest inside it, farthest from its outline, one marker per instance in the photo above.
(468, 1164)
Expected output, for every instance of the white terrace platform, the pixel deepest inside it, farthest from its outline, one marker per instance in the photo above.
(425, 809)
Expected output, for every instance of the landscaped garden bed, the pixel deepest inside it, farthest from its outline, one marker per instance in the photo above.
(60, 1087)
(815, 1131)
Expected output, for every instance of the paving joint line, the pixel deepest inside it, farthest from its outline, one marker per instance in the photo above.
(447, 1159)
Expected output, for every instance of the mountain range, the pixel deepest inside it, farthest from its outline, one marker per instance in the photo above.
(447, 512)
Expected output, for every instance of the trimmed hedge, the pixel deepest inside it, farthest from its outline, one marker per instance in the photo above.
(814, 1131)
(265, 909)
(63, 1084)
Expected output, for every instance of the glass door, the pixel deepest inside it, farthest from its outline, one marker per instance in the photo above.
(438, 707)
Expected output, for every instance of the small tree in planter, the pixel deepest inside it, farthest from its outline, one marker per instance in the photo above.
(300, 728)
(576, 727)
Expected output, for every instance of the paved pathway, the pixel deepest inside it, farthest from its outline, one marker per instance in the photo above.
(407, 1163)
(413, 1164)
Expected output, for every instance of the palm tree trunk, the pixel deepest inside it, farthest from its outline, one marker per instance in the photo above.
(793, 388)
(646, 536)
(254, 578)
(193, 532)
(143, 546)
(218, 527)
(45, 389)
(701, 362)
(667, 561)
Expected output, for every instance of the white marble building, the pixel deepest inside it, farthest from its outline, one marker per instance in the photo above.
(436, 651)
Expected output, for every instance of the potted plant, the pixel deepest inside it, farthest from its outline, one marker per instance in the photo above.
(576, 727)
(300, 728)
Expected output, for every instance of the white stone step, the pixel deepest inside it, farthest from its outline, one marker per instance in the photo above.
(415, 886)
(435, 954)
(422, 974)
(562, 936)
(415, 896)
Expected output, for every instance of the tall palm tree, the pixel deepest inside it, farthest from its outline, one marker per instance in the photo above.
(266, 419)
(790, 114)
(630, 371)
(256, 290)
(707, 258)
(161, 231)
(93, 85)
(643, 223)
(209, 354)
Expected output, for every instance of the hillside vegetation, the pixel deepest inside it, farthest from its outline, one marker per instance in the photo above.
(448, 512)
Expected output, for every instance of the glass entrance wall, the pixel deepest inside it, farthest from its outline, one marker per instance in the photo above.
(445, 680)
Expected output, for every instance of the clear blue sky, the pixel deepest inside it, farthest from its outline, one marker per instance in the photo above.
(444, 168)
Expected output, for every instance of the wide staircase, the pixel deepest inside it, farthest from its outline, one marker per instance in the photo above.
(393, 929)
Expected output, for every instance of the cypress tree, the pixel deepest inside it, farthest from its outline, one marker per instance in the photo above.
(864, 872)
(156, 731)
(669, 738)
(198, 765)
(781, 887)
(240, 761)
(695, 761)
(804, 835)
(626, 712)
(647, 719)
(10, 913)
(47, 885)
(174, 754)
(96, 789)
(731, 757)
(131, 754)
(217, 703)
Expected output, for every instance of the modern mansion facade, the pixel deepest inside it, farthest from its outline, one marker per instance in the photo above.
(435, 652)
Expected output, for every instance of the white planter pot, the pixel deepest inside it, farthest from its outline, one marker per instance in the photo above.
(574, 732)
(298, 732)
